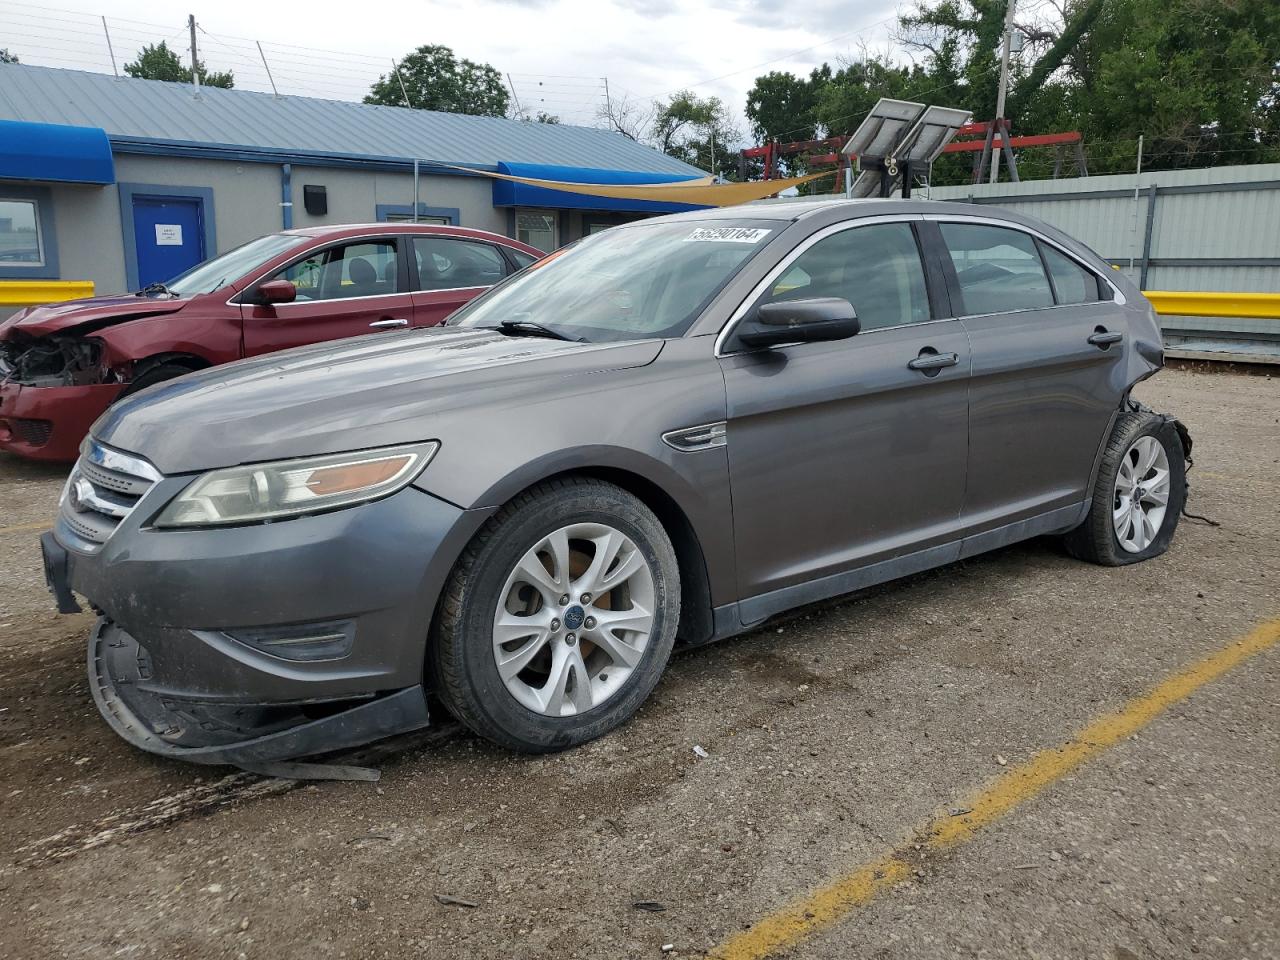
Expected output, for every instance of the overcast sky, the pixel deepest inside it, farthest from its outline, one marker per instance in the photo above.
(556, 51)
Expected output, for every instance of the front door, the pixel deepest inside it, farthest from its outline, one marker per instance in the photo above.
(852, 453)
(168, 236)
(1048, 372)
(344, 290)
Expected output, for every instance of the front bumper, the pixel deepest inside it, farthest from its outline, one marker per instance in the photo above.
(174, 664)
(48, 423)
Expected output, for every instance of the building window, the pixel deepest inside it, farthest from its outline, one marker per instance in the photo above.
(537, 228)
(20, 241)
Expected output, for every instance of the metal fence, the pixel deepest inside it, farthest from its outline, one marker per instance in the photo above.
(1216, 229)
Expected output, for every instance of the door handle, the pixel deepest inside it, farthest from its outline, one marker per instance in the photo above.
(387, 323)
(933, 361)
(1102, 339)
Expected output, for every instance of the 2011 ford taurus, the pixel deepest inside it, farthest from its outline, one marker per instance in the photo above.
(669, 432)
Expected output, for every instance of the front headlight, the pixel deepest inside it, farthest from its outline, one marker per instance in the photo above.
(269, 491)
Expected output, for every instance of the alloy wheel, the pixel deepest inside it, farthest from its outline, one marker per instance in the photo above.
(574, 619)
(1141, 494)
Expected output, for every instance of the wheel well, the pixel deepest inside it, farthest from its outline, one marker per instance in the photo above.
(188, 360)
(696, 618)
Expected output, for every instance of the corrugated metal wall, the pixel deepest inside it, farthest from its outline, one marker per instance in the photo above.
(1214, 229)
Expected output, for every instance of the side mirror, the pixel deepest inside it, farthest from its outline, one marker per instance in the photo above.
(799, 321)
(275, 291)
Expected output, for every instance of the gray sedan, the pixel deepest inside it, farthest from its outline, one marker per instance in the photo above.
(667, 433)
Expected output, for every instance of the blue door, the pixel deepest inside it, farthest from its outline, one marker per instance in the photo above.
(168, 235)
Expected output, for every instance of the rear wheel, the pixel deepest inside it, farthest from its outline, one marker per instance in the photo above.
(1139, 493)
(559, 618)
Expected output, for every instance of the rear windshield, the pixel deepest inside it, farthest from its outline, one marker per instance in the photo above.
(643, 280)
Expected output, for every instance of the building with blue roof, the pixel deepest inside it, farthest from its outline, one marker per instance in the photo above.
(97, 172)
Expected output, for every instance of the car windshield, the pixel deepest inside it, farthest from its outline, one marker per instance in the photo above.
(629, 283)
(218, 272)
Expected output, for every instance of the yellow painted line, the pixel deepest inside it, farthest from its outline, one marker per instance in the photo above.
(804, 917)
(25, 528)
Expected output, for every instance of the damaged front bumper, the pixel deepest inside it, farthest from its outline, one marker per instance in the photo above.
(48, 423)
(243, 735)
(262, 643)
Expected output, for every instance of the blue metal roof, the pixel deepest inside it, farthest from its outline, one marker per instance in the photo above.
(47, 151)
(508, 193)
(160, 117)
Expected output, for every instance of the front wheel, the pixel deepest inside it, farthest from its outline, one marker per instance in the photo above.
(559, 617)
(1138, 496)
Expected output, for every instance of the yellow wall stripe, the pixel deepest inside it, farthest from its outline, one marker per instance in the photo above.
(804, 917)
(22, 293)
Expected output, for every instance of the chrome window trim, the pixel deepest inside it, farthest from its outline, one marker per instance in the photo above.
(772, 276)
(231, 300)
(1117, 294)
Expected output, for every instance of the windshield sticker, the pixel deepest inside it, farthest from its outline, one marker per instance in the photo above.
(729, 234)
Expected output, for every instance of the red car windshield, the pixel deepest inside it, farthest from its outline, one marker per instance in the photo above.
(232, 265)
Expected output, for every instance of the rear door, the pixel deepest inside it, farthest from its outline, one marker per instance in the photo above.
(449, 271)
(845, 454)
(1048, 345)
(344, 290)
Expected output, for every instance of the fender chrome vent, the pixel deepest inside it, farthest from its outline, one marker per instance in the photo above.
(702, 437)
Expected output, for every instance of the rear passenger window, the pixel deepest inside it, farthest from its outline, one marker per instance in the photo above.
(448, 264)
(876, 268)
(999, 269)
(1071, 282)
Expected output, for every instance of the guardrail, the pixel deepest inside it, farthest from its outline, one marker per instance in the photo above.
(1253, 306)
(1248, 342)
(25, 293)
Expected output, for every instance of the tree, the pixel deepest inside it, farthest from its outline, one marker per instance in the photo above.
(435, 79)
(696, 130)
(544, 117)
(159, 62)
(780, 106)
(627, 116)
(6, 56)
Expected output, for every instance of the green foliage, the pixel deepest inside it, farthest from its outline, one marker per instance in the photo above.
(436, 79)
(160, 62)
(1199, 79)
(544, 117)
(690, 128)
(6, 56)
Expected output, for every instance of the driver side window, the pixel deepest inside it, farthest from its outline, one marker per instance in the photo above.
(364, 269)
(876, 268)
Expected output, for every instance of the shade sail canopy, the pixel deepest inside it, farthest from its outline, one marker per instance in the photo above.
(519, 186)
(53, 152)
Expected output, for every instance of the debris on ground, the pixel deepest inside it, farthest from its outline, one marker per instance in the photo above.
(701, 751)
(446, 900)
(650, 906)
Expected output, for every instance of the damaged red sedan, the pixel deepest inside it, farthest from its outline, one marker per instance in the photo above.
(63, 364)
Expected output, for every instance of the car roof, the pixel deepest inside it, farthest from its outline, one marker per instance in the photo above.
(338, 231)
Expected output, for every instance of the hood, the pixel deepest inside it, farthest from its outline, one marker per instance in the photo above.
(85, 316)
(369, 391)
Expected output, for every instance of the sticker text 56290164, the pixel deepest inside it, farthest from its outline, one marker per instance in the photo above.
(728, 234)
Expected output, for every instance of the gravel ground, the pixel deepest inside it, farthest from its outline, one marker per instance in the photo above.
(828, 738)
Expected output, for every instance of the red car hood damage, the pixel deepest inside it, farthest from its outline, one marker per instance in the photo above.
(84, 316)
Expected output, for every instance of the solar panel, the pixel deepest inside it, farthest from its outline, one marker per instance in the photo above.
(934, 129)
(881, 132)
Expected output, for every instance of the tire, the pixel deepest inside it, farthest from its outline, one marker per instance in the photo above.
(490, 596)
(1097, 539)
(157, 374)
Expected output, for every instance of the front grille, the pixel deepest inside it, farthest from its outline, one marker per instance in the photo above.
(34, 432)
(104, 487)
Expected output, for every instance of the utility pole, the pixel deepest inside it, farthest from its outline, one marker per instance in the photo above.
(195, 60)
(520, 114)
(267, 67)
(107, 34)
(403, 91)
(1004, 86)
